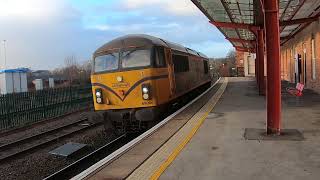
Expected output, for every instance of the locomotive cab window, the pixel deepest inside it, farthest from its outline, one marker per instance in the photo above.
(205, 65)
(159, 59)
(107, 62)
(136, 58)
(181, 63)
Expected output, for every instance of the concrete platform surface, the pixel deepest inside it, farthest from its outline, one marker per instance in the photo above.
(154, 166)
(219, 150)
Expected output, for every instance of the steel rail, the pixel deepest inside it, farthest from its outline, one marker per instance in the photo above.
(116, 154)
(4, 133)
(36, 136)
(43, 143)
(88, 160)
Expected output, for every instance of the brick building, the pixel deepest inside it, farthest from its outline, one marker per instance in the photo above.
(300, 57)
(245, 63)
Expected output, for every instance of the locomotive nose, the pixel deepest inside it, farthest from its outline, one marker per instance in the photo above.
(122, 92)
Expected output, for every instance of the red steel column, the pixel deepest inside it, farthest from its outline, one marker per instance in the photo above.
(260, 55)
(256, 65)
(273, 66)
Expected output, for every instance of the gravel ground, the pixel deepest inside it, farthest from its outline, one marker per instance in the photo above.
(40, 164)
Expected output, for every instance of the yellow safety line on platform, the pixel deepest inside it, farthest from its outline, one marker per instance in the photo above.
(157, 163)
(179, 148)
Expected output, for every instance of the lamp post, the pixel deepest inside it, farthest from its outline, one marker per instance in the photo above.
(5, 53)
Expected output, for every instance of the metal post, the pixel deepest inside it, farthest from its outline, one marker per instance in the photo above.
(256, 64)
(5, 54)
(273, 66)
(260, 57)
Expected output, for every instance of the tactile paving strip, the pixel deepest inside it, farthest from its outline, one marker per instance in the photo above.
(155, 165)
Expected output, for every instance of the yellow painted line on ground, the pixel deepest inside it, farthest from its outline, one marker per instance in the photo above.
(179, 148)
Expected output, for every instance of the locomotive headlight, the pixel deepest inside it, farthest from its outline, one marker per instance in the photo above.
(145, 96)
(99, 100)
(99, 96)
(146, 91)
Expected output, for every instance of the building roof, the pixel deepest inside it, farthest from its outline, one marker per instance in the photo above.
(242, 15)
(18, 70)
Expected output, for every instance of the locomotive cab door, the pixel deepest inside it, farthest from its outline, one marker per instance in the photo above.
(172, 82)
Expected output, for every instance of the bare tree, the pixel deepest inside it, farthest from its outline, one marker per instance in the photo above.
(74, 72)
(231, 58)
(71, 68)
(85, 72)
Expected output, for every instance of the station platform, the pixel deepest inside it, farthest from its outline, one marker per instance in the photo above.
(211, 144)
(219, 150)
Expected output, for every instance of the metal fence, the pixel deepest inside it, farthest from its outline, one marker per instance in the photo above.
(21, 109)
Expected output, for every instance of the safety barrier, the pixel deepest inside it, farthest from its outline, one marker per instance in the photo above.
(20, 109)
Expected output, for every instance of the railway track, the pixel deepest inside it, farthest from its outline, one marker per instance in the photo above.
(8, 132)
(80, 165)
(22, 146)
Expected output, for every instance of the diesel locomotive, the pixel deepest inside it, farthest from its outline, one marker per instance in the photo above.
(136, 78)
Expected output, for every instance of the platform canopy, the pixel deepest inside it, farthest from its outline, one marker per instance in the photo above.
(238, 19)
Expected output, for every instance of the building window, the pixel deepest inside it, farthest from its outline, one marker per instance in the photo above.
(313, 57)
(205, 66)
(181, 63)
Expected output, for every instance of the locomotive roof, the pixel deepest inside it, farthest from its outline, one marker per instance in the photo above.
(142, 40)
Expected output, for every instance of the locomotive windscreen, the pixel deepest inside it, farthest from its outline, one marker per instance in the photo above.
(136, 58)
(108, 62)
(128, 59)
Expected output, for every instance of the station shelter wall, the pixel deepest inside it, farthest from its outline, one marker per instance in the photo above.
(306, 44)
(245, 63)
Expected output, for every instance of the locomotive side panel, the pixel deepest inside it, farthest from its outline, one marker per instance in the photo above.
(193, 77)
(162, 87)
